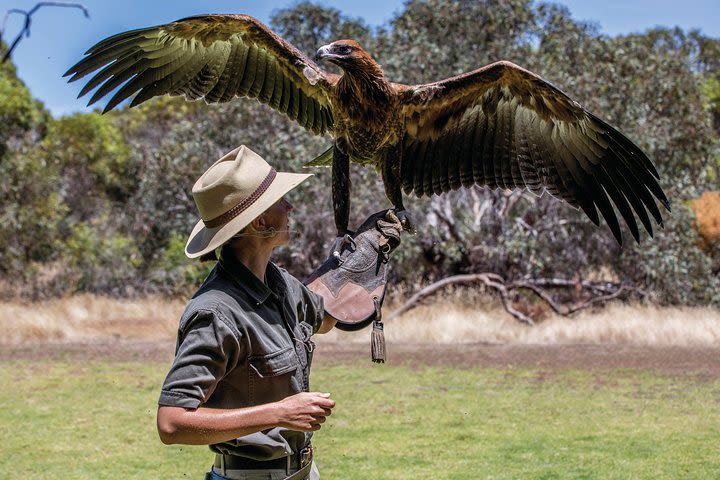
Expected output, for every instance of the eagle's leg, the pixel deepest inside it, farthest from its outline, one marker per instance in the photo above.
(393, 190)
(341, 198)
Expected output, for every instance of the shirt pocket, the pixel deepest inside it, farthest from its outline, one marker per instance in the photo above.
(271, 376)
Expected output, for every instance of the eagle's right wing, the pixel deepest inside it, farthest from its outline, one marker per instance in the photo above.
(214, 57)
(503, 126)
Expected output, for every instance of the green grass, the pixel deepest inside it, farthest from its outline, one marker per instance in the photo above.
(97, 421)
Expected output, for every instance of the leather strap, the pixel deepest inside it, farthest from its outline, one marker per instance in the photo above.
(302, 460)
(222, 219)
(233, 462)
(301, 474)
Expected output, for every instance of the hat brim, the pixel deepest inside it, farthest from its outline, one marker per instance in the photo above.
(204, 240)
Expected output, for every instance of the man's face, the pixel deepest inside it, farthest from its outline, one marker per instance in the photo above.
(277, 217)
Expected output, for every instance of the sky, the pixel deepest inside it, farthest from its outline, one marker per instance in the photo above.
(60, 36)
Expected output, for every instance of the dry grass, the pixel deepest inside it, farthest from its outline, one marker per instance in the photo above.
(450, 320)
(88, 317)
(616, 324)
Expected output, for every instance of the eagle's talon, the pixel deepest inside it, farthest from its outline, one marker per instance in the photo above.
(342, 242)
(406, 221)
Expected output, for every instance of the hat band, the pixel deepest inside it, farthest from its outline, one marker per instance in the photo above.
(242, 206)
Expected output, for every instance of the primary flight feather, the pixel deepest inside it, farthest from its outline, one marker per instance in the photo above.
(500, 125)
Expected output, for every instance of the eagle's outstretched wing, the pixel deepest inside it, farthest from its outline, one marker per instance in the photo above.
(214, 57)
(503, 126)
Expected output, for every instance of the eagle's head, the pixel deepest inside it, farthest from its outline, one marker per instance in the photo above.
(348, 55)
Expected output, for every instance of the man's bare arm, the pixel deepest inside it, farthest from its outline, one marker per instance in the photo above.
(327, 324)
(304, 412)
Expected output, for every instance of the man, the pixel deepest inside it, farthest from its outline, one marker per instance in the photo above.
(240, 379)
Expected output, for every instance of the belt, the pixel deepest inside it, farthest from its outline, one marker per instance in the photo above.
(291, 462)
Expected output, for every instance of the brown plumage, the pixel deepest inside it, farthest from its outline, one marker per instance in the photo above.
(500, 125)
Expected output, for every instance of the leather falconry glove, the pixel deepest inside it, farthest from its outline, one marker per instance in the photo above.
(353, 283)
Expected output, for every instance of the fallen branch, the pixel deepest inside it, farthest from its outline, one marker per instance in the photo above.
(610, 291)
(28, 20)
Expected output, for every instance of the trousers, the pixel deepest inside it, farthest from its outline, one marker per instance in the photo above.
(260, 475)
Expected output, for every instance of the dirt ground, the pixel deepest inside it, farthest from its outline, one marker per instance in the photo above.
(702, 363)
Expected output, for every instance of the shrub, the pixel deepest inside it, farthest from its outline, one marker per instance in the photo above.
(99, 259)
(174, 273)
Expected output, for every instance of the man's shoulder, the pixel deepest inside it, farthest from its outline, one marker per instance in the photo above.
(217, 296)
(296, 288)
(292, 283)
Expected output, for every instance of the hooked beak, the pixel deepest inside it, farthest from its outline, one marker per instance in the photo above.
(323, 52)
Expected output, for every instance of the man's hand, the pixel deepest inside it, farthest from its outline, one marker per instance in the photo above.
(353, 283)
(390, 226)
(305, 411)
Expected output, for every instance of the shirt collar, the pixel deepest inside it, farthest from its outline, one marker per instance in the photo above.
(247, 280)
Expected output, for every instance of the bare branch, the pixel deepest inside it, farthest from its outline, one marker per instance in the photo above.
(610, 291)
(28, 21)
(503, 291)
(489, 279)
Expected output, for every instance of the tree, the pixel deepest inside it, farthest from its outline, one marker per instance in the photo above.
(120, 200)
(30, 203)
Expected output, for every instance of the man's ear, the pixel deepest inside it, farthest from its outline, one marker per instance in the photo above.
(259, 223)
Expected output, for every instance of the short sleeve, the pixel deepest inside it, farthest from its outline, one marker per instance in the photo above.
(207, 348)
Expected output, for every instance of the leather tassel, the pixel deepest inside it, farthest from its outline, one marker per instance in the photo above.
(377, 342)
(377, 338)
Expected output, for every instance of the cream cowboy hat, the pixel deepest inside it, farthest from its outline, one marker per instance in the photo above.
(231, 194)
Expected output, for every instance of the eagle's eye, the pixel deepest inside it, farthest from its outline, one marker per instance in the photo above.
(343, 49)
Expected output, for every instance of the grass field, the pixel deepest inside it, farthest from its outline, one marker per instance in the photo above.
(96, 420)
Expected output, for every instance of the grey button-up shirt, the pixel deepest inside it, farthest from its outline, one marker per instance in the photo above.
(243, 343)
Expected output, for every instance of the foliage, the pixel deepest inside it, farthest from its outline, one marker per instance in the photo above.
(92, 157)
(31, 209)
(30, 201)
(672, 266)
(172, 273)
(20, 114)
(129, 174)
(99, 259)
(309, 26)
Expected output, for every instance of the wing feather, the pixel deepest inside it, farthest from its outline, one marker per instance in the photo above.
(213, 57)
(286, 96)
(422, 168)
(528, 163)
(219, 93)
(461, 168)
(151, 75)
(249, 70)
(428, 170)
(125, 67)
(96, 61)
(476, 167)
(637, 204)
(487, 154)
(260, 72)
(265, 94)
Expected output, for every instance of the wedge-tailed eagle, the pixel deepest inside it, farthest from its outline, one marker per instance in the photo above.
(500, 125)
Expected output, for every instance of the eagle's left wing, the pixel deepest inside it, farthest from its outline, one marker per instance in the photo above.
(213, 57)
(503, 126)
